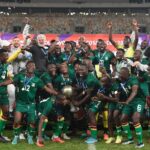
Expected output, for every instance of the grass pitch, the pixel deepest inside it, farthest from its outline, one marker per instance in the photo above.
(76, 143)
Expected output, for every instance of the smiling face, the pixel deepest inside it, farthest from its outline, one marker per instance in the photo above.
(126, 41)
(41, 39)
(57, 50)
(52, 69)
(144, 44)
(101, 45)
(83, 71)
(119, 54)
(30, 67)
(16, 42)
(137, 55)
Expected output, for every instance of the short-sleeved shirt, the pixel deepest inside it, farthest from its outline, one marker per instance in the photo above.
(66, 56)
(3, 77)
(62, 81)
(90, 82)
(52, 58)
(46, 78)
(80, 56)
(129, 52)
(26, 88)
(103, 59)
(111, 91)
(125, 88)
(146, 78)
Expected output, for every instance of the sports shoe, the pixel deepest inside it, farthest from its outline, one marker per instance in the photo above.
(91, 140)
(105, 136)
(139, 145)
(118, 139)
(7, 139)
(21, 136)
(3, 139)
(130, 141)
(40, 143)
(110, 140)
(15, 140)
(30, 139)
(65, 136)
(57, 140)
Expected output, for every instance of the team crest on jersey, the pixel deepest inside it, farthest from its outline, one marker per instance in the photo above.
(3, 76)
(33, 85)
(106, 58)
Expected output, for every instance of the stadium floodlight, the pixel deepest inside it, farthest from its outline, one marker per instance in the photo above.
(104, 13)
(133, 14)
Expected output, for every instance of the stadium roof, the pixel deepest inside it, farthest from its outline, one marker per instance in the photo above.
(73, 5)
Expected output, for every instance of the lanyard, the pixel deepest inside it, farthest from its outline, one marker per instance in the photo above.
(65, 80)
(78, 82)
(123, 87)
(102, 90)
(67, 56)
(27, 81)
(83, 84)
(101, 56)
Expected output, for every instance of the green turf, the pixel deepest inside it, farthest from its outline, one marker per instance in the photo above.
(74, 144)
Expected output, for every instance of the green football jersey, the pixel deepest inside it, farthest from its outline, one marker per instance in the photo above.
(66, 56)
(104, 59)
(80, 56)
(46, 78)
(125, 89)
(146, 78)
(57, 60)
(62, 81)
(3, 77)
(89, 82)
(111, 91)
(26, 88)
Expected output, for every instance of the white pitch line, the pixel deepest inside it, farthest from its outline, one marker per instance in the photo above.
(91, 147)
